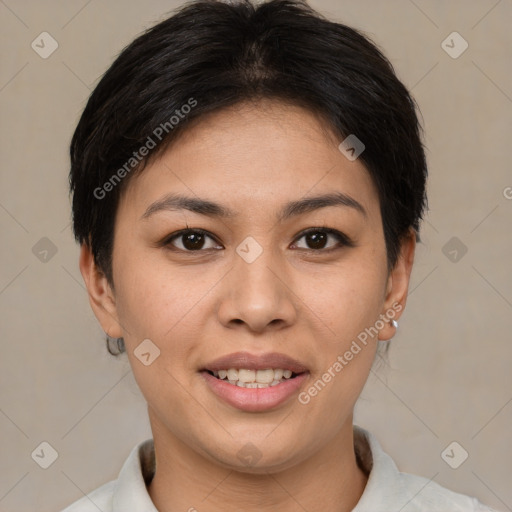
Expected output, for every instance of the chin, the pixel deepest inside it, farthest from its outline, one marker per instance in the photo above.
(248, 458)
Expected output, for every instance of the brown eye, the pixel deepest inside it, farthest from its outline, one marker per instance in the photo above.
(191, 240)
(317, 239)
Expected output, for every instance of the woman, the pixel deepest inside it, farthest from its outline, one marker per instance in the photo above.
(248, 184)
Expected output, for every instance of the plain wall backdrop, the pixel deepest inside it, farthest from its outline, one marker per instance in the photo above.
(448, 375)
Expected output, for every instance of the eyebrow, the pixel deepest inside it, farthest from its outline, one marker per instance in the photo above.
(174, 202)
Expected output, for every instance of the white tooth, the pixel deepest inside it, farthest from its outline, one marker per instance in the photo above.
(251, 385)
(232, 374)
(278, 374)
(287, 374)
(240, 383)
(223, 374)
(215, 374)
(275, 383)
(265, 376)
(260, 385)
(233, 382)
(246, 375)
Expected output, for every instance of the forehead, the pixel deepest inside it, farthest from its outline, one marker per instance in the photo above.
(255, 157)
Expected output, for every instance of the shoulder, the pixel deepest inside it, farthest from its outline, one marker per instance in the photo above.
(389, 489)
(99, 499)
(128, 491)
(422, 494)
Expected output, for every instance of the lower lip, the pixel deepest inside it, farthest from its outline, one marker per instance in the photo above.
(254, 399)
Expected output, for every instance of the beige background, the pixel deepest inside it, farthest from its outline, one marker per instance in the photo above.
(448, 377)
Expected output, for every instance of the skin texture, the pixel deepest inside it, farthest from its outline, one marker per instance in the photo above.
(199, 305)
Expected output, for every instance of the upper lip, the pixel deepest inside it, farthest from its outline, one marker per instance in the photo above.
(246, 360)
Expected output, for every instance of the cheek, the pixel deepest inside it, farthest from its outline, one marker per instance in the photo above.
(347, 298)
(152, 306)
(349, 306)
(151, 296)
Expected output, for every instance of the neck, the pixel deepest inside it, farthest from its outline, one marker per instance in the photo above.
(330, 479)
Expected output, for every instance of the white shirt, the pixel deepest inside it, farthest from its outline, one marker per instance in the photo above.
(387, 489)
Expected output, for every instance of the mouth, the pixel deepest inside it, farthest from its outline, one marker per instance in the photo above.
(254, 379)
(255, 382)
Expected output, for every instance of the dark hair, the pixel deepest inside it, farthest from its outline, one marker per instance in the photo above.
(211, 55)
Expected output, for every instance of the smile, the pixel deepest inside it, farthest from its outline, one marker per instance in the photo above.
(246, 378)
(255, 382)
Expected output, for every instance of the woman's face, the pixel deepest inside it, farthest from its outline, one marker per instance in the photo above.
(282, 282)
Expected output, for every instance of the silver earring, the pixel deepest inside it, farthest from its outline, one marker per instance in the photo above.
(115, 346)
(394, 323)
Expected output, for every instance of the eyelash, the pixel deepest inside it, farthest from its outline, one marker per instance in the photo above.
(343, 240)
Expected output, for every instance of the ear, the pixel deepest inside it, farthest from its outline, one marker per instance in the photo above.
(398, 286)
(101, 296)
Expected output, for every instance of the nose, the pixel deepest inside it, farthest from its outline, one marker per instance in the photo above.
(258, 295)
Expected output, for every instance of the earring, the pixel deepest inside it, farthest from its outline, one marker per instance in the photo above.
(115, 346)
(394, 323)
